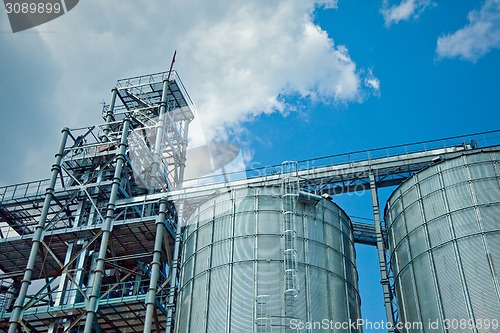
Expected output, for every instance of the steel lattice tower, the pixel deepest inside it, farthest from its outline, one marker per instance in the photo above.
(97, 265)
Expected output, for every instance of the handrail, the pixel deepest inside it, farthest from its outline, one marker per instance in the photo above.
(483, 139)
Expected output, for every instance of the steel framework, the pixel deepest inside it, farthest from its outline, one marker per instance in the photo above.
(96, 247)
(71, 258)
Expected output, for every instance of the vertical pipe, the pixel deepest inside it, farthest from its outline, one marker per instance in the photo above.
(175, 265)
(381, 253)
(209, 280)
(106, 230)
(231, 264)
(157, 149)
(182, 161)
(110, 114)
(155, 266)
(64, 287)
(38, 236)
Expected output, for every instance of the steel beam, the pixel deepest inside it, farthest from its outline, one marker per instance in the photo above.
(412, 163)
(106, 230)
(37, 237)
(155, 267)
(381, 254)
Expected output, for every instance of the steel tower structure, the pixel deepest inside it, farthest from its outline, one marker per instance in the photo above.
(96, 246)
(95, 265)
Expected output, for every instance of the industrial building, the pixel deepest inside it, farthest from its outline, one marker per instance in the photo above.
(117, 240)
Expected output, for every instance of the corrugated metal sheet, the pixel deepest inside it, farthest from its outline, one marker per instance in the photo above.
(444, 231)
(233, 252)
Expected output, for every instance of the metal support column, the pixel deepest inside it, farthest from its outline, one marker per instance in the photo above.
(381, 254)
(155, 266)
(38, 236)
(154, 184)
(106, 230)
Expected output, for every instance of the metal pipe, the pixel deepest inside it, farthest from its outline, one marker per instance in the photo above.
(157, 150)
(381, 254)
(155, 266)
(182, 160)
(38, 236)
(106, 230)
(109, 114)
(175, 264)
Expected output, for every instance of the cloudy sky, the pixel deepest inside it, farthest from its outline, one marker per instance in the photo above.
(284, 79)
(268, 74)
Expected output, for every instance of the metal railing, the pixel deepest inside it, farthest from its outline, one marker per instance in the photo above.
(120, 292)
(142, 82)
(469, 141)
(483, 139)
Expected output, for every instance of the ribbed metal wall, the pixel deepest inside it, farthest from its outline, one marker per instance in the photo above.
(233, 253)
(444, 238)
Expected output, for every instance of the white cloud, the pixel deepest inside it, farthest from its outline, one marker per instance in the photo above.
(236, 59)
(327, 4)
(406, 10)
(477, 38)
(372, 82)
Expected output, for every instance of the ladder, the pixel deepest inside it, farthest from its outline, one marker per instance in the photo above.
(263, 319)
(289, 196)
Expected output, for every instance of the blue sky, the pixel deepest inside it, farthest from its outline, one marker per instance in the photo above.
(422, 96)
(286, 80)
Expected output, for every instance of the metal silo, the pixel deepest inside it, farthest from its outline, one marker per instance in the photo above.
(444, 239)
(246, 269)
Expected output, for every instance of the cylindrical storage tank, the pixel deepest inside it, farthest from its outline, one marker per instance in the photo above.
(233, 270)
(444, 239)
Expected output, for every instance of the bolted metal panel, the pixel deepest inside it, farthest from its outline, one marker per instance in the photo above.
(232, 265)
(443, 233)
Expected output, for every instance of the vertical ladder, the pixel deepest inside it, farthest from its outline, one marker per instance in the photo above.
(289, 196)
(263, 319)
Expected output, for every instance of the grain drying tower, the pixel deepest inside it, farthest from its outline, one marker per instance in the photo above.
(118, 241)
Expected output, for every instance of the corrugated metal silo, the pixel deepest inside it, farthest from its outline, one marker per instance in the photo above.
(444, 238)
(233, 270)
